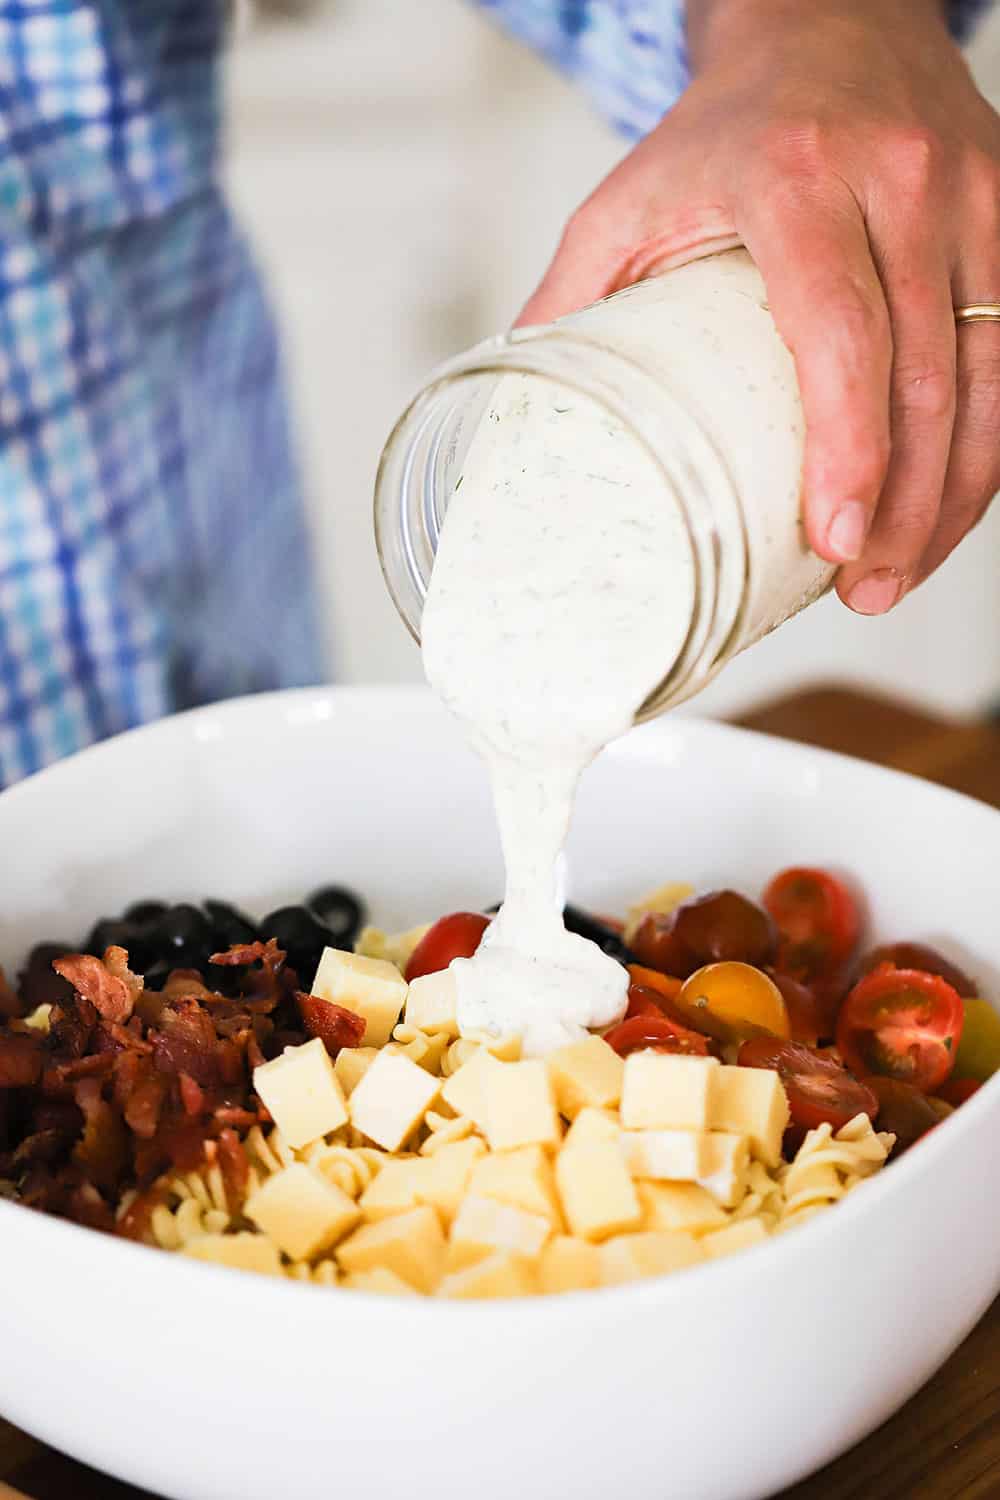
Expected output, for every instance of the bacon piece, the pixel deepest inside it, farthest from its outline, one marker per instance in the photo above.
(107, 989)
(268, 954)
(335, 1026)
(135, 1222)
(187, 984)
(235, 1168)
(21, 1059)
(71, 1025)
(237, 1117)
(192, 1095)
(144, 1106)
(59, 1078)
(87, 1207)
(102, 1149)
(185, 1042)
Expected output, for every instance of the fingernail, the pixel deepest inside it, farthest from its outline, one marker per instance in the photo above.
(847, 531)
(876, 593)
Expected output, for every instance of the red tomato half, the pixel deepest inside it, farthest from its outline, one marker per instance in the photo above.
(903, 1110)
(920, 956)
(817, 917)
(807, 1013)
(819, 1091)
(904, 1024)
(658, 1032)
(956, 1091)
(710, 929)
(456, 936)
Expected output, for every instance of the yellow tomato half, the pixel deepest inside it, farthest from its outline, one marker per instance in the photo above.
(733, 1001)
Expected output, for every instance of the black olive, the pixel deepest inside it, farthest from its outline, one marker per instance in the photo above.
(340, 909)
(606, 938)
(157, 974)
(181, 926)
(39, 983)
(110, 932)
(143, 913)
(230, 926)
(303, 938)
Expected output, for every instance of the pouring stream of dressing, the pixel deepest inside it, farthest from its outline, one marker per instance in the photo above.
(561, 594)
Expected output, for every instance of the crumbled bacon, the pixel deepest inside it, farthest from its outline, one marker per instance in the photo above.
(101, 1150)
(71, 1025)
(21, 1060)
(335, 1026)
(185, 1042)
(235, 1168)
(102, 983)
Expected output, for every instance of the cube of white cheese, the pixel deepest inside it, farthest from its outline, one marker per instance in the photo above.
(751, 1102)
(742, 1235)
(465, 1090)
(631, 1257)
(680, 1206)
(379, 1279)
(567, 1264)
(523, 1177)
(520, 1106)
(351, 1066)
(447, 1175)
(726, 1167)
(592, 1126)
(499, 1275)
(392, 1099)
(585, 1073)
(665, 1155)
(372, 987)
(663, 1090)
(432, 1003)
(301, 1211)
(411, 1245)
(302, 1093)
(483, 1226)
(597, 1194)
(393, 1190)
(243, 1251)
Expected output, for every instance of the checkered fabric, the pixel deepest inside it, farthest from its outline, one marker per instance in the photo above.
(153, 552)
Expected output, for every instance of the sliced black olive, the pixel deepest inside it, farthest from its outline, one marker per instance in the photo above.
(340, 909)
(606, 938)
(143, 913)
(182, 926)
(303, 938)
(230, 926)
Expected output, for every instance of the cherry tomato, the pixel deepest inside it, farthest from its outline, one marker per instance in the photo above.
(657, 1032)
(902, 1110)
(722, 925)
(919, 956)
(666, 987)
(732, 1001)
(956, 1091)
(819, 1092)
(455, 936)
(642, 1002)
(902, 1023)
(808, 1015)
(817, 918)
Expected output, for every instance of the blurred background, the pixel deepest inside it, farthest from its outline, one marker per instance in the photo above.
(405, 170)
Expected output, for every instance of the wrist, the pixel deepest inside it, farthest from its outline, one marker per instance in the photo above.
(723, 28)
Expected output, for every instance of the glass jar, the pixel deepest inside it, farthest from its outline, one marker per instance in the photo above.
(687, 365)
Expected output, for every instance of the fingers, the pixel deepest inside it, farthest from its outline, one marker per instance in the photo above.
(826, 298)
(917, 280)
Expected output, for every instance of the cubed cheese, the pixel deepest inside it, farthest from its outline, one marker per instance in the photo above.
(482, 1226)
(447, 1175)
(739, 1236)
(520, 1106)
(351, 1066)
(585, 1073)
(394, 1189)
(597, 1194)
(499, 1275)
(726, 1167)
(663, 1090)
(380, 1279)
(523, 1178)
(243, 1251)
(431, 1003)
(300, 1211)
(465, 1090)
(665, 1155)
(592, 1126)
(392, 1099)
(630, 1257)
(411, 1245)
(372, 987)
(567, 1264)
(751, 1102)
(679, 1206)
(302, 1093)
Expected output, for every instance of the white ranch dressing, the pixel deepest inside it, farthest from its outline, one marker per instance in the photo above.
(562, 587)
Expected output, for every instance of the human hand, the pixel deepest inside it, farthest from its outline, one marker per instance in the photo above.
(846, 145)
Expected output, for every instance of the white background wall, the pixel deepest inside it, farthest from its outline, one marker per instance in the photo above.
(405, 170)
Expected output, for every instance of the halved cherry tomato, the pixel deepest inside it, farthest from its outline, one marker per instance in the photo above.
(902, 1110)
(454, 936)
(817, 917)
(919, 956)
(808, 1014)
(904, 1024)
(956, 1091)
(657, 1032)
(642, 1002)
(732, 1001)
(665, 985)
(819, 1092)
(722, 925)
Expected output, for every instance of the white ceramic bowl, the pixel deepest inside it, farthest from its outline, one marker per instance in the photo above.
(722, 1383)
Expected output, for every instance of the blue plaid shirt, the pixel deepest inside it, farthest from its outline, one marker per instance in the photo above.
(153, 552)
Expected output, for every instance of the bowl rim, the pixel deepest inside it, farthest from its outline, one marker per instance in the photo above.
(304, 706)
